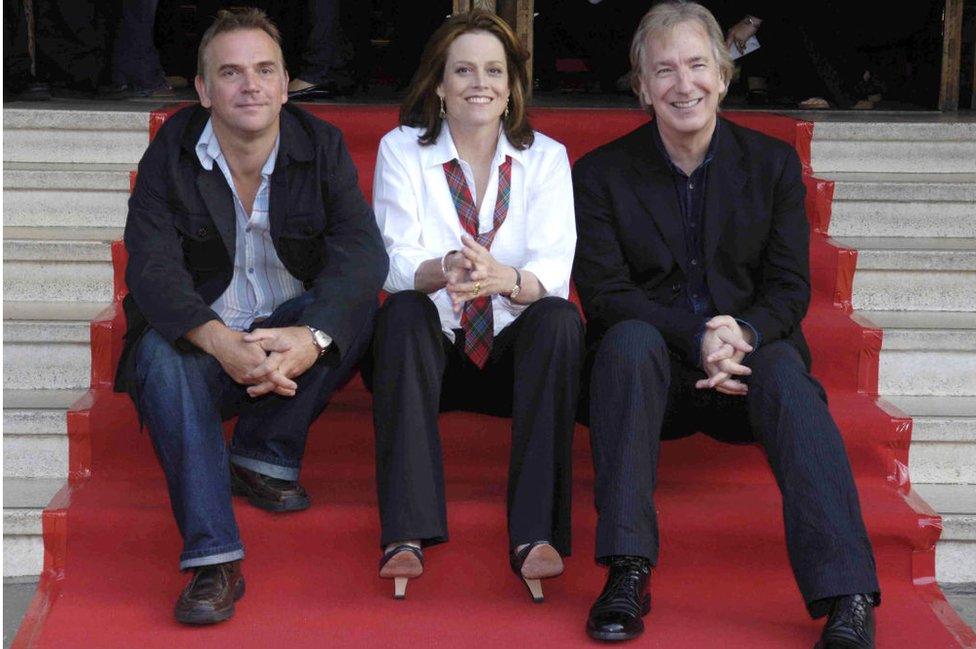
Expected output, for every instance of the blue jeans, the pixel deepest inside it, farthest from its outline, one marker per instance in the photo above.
(184, 396)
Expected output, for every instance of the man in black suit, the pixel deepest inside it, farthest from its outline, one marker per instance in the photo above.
(254, 268)
(692, 267)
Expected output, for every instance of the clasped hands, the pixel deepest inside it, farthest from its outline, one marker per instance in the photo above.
(472, 272)
(266, 360)
(723, 347)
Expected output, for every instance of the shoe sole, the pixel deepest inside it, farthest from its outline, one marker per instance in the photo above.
(239, 488)
(211, 617)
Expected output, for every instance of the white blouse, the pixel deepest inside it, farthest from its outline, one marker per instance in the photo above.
(418, 220)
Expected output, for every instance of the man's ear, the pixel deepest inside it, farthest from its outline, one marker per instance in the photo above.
(201, 87)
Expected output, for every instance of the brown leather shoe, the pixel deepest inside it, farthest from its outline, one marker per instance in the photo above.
(272, 494)
(211, 593)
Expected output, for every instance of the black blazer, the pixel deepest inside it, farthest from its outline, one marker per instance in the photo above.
(630, 253)
(180, 233)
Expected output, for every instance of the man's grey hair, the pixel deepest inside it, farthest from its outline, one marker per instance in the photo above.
(663, 17)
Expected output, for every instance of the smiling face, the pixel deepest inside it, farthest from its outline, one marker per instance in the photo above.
(475, 84)
(246, 82)
(681, 80)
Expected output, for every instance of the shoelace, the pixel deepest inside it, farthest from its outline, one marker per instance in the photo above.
(622, 593)
(854, 611)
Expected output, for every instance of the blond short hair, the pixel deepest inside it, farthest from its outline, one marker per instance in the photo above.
(664, 16)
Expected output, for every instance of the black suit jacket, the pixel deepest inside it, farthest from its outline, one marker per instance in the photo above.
(180, 233)
(630, 253)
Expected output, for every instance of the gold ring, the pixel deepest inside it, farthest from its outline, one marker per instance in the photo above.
(477, 287)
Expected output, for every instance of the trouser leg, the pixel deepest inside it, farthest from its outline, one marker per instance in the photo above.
(828, 546)
(408, 363)
(546, 344)
(629, 386)
(181, 394)
(136, 61)
(321, 55)
(271, 430)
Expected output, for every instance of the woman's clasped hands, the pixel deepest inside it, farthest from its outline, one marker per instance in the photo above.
(472, 272)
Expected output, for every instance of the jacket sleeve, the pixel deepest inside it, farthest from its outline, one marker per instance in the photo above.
(156, 274)
(783, 293)
(602, 276)
(349, 283)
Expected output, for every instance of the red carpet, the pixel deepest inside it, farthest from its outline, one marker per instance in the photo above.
(110, 577)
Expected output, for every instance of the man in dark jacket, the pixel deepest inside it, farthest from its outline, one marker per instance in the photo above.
(254, 267)
(692, 267)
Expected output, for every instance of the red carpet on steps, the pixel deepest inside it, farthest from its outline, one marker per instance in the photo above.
(110, 577)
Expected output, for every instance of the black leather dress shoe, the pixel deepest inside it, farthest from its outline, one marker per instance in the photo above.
(617, 612)
(211, 593)
(272, 494)
(850, 624)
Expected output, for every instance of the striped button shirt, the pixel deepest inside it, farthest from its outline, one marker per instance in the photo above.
(260, 282)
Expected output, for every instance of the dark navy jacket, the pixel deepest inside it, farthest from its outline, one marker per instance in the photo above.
(180, 233)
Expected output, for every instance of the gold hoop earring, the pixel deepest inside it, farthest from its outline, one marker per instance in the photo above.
(443, 112)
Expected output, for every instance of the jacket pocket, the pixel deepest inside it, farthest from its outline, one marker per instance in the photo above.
(203, 250)
(301, 245)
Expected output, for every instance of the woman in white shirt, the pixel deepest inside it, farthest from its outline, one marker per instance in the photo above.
(476, 211)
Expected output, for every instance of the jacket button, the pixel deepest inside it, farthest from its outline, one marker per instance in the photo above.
(202, 232)
(676, 287)
(309, 230)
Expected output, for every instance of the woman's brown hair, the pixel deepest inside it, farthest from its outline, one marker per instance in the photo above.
(421, 107)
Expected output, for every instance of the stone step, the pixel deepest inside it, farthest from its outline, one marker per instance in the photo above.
(914, 274)
(894, 146)
(23, 501)
(943, 438)
(46, 345)
(955, 555)
(65, 194)
(926, 352)
(58, 264)
(35, 432)
(903, 205)
(98, 136)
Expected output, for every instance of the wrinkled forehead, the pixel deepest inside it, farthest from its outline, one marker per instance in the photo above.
(685, 39)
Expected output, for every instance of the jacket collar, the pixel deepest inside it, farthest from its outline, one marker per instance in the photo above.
(295, 141)
(655, 190)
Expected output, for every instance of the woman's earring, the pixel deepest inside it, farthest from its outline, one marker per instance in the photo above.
(443, 112)
(506, 110)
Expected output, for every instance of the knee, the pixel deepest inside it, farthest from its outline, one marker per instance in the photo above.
(776, 366)
(632, 342)
(158, 360)
(554, 318)
(405, 307)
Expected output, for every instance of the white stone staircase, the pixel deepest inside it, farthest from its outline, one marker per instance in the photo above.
(65, 189)
(905, 198)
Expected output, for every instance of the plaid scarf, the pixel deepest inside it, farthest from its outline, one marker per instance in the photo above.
(477, 321)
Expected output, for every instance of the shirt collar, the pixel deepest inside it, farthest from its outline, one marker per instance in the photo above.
(208, 151)
(709, 154)
(443, 150)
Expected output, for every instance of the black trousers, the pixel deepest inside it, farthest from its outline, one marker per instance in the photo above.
(531, 375)
(639, 394)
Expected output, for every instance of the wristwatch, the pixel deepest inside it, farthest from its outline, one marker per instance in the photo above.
(518, 285)
(320, 339)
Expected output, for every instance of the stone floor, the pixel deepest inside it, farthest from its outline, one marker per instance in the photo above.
(17, 595)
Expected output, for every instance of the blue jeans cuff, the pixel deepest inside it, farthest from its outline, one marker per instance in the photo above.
(265, 468)
(221, 555)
